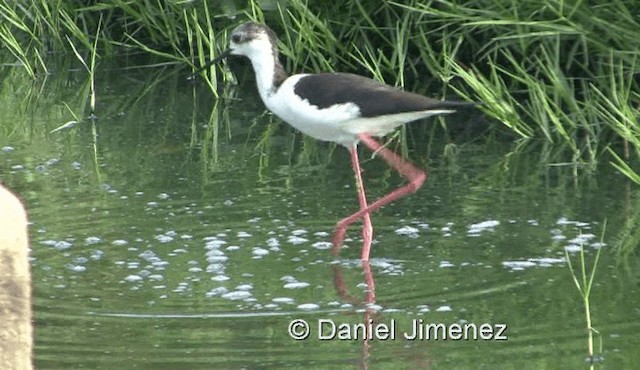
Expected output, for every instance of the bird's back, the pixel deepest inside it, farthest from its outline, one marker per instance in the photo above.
(372, 98)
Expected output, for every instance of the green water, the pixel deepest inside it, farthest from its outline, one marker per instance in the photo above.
(178, 231)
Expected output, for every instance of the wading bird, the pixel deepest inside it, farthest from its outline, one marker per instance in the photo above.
(340, 107)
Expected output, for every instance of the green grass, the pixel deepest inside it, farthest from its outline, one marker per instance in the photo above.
(583, 281)
(564, 72)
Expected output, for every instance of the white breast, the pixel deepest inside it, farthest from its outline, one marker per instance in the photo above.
(329, 124)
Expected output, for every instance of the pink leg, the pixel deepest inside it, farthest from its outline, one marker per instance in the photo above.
(367, 228)
(414, 175)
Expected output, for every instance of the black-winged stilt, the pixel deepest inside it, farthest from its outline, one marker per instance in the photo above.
(339, 107)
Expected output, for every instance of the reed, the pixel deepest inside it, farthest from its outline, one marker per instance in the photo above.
(583, 281)
(551, 70)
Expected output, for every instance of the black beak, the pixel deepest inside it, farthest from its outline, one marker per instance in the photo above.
(215, 60)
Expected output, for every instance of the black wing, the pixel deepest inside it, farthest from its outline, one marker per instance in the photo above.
(374, 98)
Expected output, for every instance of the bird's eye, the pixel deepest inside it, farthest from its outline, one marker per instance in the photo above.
(235, 38)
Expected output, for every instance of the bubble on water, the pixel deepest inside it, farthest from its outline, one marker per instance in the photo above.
(422, 308)
(220, 278)
(322, 245)
(62, 245)
(444, 264)
(373, 306)
(582, 239)
(237, 295)
(148, 255)
(214, 243)
(244, 287)
(308, 306)
(80, 260)
(217, 291)
(160, 265)
(214, 252)
(77, 268)
(96, 254)
(162, 238)
(7, 149)
(133, 278)
(444, 308)
(144, 273)
(285, 300)
(259, 252)
(57, 244)
(296, 240)
(215, 268)
(273, 242)
(409, 231)
(547, 261)
(573, 248)
(566, 221)
(296, 285)
(243, 234)
(475, 229)
(288, 279)
(217, 259)
(518, 265)
(119, 242)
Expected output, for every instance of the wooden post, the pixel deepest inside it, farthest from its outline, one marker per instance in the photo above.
(16, 332)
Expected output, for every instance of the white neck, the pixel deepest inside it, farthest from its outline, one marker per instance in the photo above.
(264, 68)
(268, 69)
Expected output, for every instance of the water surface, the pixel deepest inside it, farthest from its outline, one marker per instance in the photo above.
(181, 231)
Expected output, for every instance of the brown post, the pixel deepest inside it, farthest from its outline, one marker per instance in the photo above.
(16, 333)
